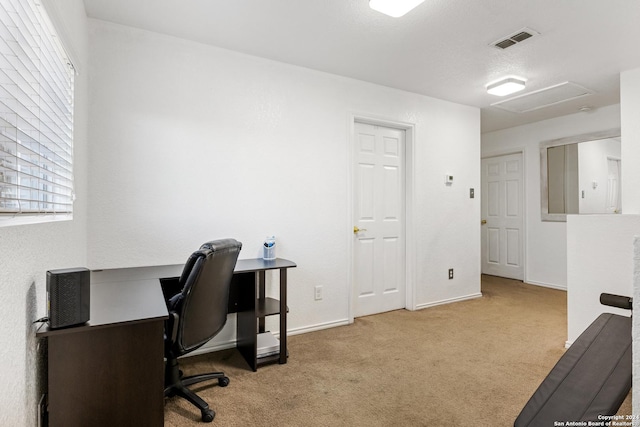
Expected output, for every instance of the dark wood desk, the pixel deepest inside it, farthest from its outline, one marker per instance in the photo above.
(110, 372)
(248, 299)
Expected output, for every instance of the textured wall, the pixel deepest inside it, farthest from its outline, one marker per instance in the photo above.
(26, 252)
(630, 104)
(191, 142)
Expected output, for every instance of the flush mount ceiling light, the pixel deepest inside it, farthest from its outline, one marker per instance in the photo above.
(394, 8)
(506, 86)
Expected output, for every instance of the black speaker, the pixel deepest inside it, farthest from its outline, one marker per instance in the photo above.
(68, 297)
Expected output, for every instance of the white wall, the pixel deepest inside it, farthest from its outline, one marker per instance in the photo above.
(191, 142)
(546, 244)
(630, 102)
(28, 251)
(600, 259)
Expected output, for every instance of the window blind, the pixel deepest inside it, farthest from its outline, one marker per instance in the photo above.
(36, 113)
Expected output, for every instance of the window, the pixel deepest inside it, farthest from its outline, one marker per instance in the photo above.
(36, 114)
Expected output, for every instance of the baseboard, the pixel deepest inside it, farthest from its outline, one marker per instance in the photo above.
(448, 301)
(318, 327)
(223, 345)
(546, 285)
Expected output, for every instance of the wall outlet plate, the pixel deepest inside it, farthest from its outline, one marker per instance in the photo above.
(450, 273)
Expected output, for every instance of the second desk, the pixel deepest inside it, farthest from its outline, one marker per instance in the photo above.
(248, 299)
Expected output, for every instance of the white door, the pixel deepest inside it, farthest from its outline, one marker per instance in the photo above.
(378, 206)
(613, 185)
(502, 216)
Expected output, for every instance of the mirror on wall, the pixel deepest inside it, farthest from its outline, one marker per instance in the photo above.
(580, 175)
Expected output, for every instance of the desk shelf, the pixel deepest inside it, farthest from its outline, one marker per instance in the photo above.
(268, 307)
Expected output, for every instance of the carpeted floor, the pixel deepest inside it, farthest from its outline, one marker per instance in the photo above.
(472, 363)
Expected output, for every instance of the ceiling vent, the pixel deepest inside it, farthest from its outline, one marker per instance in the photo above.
(517, 37)
(546, 97)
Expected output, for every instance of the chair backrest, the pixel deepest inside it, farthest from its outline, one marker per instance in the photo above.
(205, 282)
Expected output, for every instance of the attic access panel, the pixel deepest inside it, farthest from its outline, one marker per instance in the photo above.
(546, 97)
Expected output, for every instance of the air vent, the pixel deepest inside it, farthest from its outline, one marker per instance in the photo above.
(505, 43)
(517, 37)
(521, 36)
(543, 98)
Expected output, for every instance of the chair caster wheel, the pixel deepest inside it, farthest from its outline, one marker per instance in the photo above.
(223, 382)
(208, 415)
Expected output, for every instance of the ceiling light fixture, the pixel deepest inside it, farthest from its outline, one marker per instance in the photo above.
(394, 8)
(506, 86)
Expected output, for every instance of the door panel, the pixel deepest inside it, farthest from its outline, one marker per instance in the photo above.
(379, 209)
(513, 198)
(502, 209)
(493, 245)
(364, 265)
(493, 198)
(513, 247)
(390, 254)
(367, 185)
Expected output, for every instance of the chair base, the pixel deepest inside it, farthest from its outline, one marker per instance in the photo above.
(176, 385)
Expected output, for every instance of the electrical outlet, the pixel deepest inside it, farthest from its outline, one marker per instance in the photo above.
(450, 273)
(318, 291)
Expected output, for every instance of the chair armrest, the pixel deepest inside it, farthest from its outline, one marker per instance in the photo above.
(170, 287)
(173, 325)
(616, 301)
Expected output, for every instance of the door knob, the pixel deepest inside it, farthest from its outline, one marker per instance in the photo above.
(483, 222)
(357, 230)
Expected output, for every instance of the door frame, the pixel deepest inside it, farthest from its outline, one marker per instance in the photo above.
(522, 150)
(409, 200)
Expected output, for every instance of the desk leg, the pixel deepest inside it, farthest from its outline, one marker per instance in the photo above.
(261, 296)
(283, 316)
(246, 320)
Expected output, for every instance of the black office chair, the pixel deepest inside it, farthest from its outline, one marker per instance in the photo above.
(198, 303)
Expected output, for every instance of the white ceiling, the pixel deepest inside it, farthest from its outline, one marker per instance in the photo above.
(440, 49)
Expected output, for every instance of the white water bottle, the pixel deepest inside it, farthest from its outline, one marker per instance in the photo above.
(269, 248)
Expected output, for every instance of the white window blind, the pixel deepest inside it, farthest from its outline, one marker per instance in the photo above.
(36, 113)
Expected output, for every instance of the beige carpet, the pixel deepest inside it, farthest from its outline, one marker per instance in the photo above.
(472, 363)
